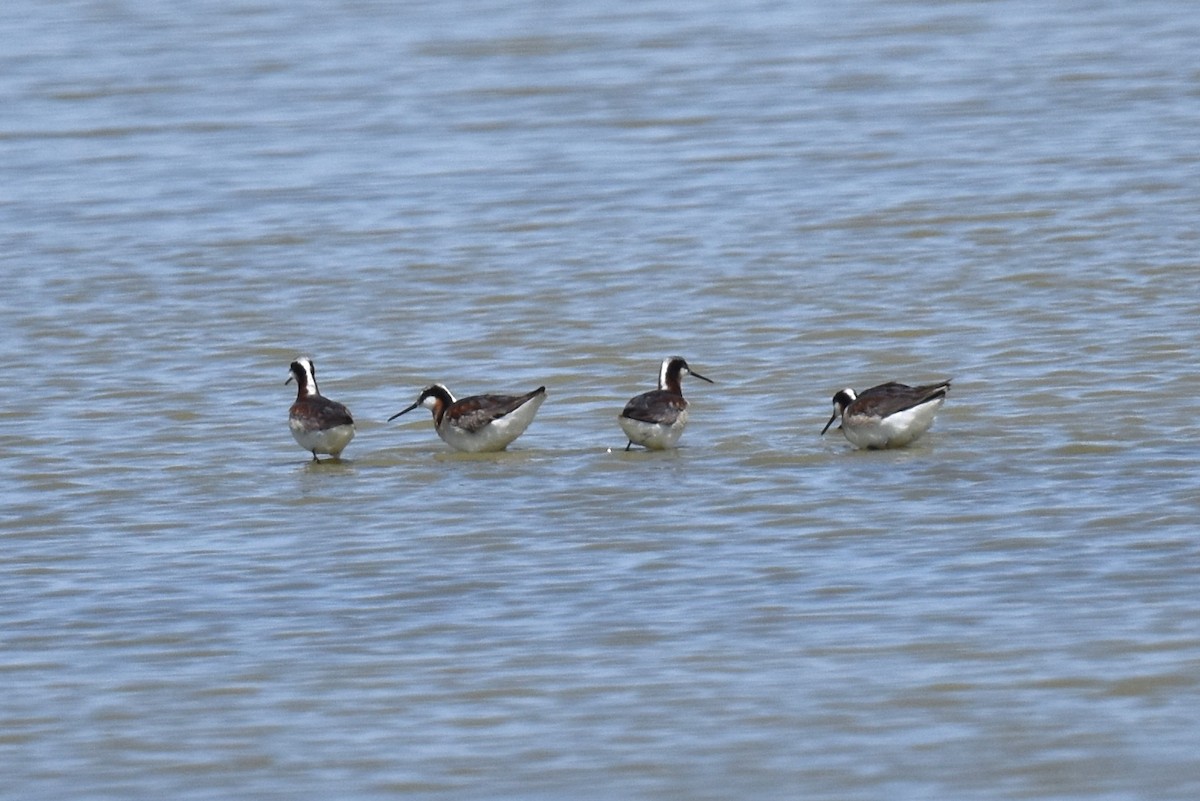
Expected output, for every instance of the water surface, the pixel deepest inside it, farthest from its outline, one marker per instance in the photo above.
(796, 199)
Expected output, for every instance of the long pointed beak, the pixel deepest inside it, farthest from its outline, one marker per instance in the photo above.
(289, 380)
(406, 411)
(827, 425)
(694, 374)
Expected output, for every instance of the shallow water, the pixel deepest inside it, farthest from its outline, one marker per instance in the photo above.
(796, 200)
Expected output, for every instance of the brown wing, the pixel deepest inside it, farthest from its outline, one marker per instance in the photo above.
(475, 412)
(887, 399)
(656, 406)
(319, 412)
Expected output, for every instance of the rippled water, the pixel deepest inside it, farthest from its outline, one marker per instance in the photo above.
(501, 195)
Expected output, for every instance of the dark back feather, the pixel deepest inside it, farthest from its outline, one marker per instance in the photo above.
(477, 411)
(656, 406)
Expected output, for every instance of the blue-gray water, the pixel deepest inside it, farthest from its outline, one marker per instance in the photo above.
(797, 197)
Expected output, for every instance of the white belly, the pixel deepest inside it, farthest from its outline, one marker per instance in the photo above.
(330, 440)
(655, 436)
(893, 431)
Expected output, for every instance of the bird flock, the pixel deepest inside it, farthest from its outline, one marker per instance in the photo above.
(890, 415)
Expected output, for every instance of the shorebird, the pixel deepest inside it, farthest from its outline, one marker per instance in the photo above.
(656, 419)
(889, 415)
(481, 423)
(319, 424)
